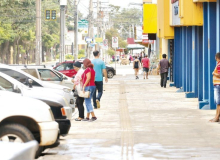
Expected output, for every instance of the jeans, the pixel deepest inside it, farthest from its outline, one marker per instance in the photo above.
(79, 103)
(99, 87)
(163, 82)
(88, 102)
(217, 94)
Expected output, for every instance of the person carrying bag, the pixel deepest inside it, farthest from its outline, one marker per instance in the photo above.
(88, 88)
(76, 81)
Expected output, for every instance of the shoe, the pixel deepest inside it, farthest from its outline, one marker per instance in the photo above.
(137, 77)
(92, 119)
(98, 103)
(85, 119)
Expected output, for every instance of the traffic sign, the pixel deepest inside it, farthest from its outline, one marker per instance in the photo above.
(115, 42)
(83, 23)
(106, 43)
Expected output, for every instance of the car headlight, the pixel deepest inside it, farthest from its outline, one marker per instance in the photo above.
(67, 90)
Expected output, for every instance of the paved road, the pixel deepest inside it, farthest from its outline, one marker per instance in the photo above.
(139, 120)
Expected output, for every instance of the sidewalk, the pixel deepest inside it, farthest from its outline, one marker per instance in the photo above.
(139, 120)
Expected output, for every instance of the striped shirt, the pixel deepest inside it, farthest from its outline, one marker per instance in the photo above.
(216, 80)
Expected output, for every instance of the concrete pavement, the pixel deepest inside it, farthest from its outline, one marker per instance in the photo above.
(139, 120)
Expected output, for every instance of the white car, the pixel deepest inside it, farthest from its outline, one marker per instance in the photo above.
(47, 74)
(25, 119)
(57, 103)
(23, 77)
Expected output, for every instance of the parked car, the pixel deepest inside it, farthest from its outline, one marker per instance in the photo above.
(25, 119)
(46, 74)
(57, 103)
(67, 69)
(23, 77)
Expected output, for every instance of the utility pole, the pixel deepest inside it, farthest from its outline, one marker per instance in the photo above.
(91, 25)
(76, 30)
(130, 31)
(63, 4)
(38, 53)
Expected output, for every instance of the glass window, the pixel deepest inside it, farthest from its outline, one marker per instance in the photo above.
(69, 66)
(32, 72)
(6, 84)
(18, 76)
(60, 67)
(48, 75)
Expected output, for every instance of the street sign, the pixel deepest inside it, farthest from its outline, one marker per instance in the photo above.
(106, 44)
(83, 23)
(98, 40)
(115, 42)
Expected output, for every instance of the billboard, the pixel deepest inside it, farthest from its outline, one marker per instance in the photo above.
(175, 13)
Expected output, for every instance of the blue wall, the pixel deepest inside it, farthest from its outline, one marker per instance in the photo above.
(194, 56)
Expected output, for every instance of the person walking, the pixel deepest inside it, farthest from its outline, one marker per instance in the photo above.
(136, 66)
(145, 62)
(76, 81)
(216, 83)
(163, 67)
(100, 69)
(88, 81)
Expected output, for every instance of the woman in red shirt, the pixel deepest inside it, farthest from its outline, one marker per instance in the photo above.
(88, 80)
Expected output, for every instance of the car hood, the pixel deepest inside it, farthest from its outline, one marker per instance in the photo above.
(15, 100)
(53, 86)
(46, 95)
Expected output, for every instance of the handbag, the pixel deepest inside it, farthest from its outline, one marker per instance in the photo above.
(82, 94)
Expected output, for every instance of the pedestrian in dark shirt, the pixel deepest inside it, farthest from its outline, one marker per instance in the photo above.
(164, 66)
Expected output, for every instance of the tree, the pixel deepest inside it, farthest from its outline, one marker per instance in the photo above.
(114, 33)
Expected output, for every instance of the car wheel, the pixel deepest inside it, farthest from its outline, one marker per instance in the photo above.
(110, 74)
(17, 133)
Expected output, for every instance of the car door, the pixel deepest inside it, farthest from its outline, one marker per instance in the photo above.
(66, 80)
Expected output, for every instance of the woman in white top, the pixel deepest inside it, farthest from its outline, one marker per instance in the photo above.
(76, 81)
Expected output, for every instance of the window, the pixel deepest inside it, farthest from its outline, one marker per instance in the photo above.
(65, 66)
(32, 72)
(60, 67)
(6, 84)
(48, 75)
(18, 76)
(69, 66)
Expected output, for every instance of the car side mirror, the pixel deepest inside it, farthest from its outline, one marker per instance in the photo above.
(16, 89)
(30, 83)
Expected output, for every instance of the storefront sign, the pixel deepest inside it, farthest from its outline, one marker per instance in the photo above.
(175, 19)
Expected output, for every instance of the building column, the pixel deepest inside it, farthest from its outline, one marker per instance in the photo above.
(177, 68)
(184, 61)
(199, 47)
(193, 78)
(204, 101)
(211, 51)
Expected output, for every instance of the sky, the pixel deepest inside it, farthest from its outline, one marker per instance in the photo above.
(124, 3)
(84, 4)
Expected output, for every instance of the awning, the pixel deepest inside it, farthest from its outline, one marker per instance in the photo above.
(135, 46)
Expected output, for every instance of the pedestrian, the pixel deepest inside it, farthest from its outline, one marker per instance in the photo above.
(76, 81)
(164, 66)
(216, 83)
(140, 57)
(100, 70)
(145, 62)
(136, 67)
(88, 81)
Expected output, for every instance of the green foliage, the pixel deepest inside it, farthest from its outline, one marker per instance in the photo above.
(81, 53)
(125, 17)
(114, 33)
(111, 52)
(58, 56)
(69, 56)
